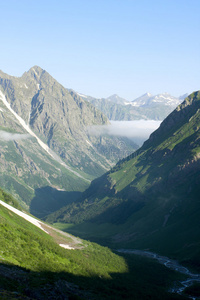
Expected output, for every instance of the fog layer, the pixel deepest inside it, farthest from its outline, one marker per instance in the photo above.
(8, 136)
(138, 130)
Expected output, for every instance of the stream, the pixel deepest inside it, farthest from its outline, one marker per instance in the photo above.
(171, 264)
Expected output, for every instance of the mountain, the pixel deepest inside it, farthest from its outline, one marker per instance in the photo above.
(45, 141)
(165, 99)
(114, 110)
(183, 97)
(142, 100)
(145, 107)
(116, 99)
(150, 200)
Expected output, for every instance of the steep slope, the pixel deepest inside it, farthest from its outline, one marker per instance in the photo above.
(33, 266)
(37, 267)
(151, 198)
(60, 118)
(45, 142)
(26, 167)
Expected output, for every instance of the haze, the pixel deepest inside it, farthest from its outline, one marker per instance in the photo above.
(138, 130)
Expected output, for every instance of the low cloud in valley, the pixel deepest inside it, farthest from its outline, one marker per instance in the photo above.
(8, 136)
(138, 130)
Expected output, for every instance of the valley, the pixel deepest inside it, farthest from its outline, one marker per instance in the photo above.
(100, 150)
(92, 190)
(34, 266)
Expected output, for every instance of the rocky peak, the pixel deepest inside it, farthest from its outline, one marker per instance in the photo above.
(35, 73)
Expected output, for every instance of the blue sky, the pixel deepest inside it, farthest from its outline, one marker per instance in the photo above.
(105, 47)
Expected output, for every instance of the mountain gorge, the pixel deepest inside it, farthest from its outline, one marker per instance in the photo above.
(45, 140)
(149, 200)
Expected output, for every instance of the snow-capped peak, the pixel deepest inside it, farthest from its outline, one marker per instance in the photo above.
(149, 100)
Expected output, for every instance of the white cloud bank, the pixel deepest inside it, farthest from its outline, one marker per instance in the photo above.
(7, 136)
(138, 130)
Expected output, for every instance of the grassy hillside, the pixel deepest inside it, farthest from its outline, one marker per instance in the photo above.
(33, 266)
(151, 198)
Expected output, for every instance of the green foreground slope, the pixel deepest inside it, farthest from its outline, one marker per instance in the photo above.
(33, 266)
(151, 198)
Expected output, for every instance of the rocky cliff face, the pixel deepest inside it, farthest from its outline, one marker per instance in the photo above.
(60, 118)
(59, 152)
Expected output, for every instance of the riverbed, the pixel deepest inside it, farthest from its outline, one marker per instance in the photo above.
(171, 264)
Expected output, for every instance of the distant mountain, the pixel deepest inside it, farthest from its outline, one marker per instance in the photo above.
(45, 141)
(183, 97)
(142, 100)
(147, 106)
(116, 99)
(148, 100)
(150, 200)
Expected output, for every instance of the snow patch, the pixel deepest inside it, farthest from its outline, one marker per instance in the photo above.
(42, 144)
(35, 72)
(1, 109)
(89, 143)
(81, 95)
(23, 215)
(66, 246)
(25, 86)
(32, 220)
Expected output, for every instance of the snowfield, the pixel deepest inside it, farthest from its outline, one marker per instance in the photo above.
(35, 222)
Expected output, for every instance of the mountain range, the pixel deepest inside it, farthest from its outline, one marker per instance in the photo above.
(61, 173)
(147, 107)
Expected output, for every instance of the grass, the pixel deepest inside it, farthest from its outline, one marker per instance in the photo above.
(36, 265)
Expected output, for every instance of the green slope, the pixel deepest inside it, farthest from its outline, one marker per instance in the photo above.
(33, 266)
(151, 198)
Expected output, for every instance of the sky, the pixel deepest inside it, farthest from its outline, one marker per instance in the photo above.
(105, 47)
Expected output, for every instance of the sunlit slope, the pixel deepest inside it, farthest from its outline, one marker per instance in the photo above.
(151, 198)
(34, 266)
(24, 245)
